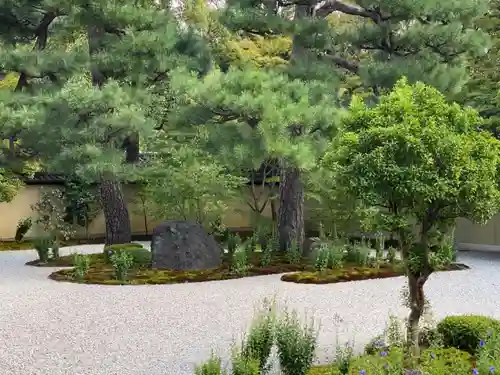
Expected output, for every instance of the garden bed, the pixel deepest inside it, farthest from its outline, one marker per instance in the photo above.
(354, 273)
(102, 272)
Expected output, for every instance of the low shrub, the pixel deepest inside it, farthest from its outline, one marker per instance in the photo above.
(138, 253)
(121, 261)
(296, 345)
(294, 253)
(211, 367)
(42, 246)
(240, 264)
(260, 339)
(23, 227)
(466, 331)
(242, 365)
(82, 264)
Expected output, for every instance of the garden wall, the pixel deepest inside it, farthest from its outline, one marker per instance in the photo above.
(238, 217)
(469, 236)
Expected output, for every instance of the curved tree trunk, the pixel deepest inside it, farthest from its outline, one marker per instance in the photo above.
(113, 203)
(115, 210)
(291, 208)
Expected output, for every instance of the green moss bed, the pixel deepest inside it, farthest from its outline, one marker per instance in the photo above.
(101, 272)
(354, 273)
(28, 245)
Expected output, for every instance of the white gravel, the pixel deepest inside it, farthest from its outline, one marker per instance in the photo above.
(54, 328)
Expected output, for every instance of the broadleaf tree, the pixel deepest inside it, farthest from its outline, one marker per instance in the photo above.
(419, 159)
(183, 182)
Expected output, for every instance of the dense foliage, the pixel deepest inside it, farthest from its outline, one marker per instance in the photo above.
(419, 160)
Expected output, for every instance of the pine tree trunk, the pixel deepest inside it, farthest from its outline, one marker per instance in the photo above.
(115, 209)
(291, 209)
(115, 213)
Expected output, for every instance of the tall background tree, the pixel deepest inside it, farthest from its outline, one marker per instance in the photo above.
(380, 42)
(79, 108)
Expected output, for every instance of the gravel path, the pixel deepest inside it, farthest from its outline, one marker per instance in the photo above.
(54, 328)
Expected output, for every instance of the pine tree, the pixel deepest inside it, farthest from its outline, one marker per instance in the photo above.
(423, 40)
(80, 107)
(481, 92)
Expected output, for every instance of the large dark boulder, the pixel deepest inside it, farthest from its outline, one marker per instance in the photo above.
(182, 245)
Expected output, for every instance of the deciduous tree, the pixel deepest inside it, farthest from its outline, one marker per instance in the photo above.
(418, 159)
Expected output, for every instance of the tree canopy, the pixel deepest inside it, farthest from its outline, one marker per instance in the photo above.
(419, 159)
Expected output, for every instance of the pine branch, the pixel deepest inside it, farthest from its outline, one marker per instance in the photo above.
(351, 66)
(41, 34)
(326, 7)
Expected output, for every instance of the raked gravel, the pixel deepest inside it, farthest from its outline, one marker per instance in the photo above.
(55, 328)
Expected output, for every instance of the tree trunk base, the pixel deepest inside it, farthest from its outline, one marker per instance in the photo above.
(116, 214)
(291, 208)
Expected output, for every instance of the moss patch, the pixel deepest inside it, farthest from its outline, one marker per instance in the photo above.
(101, 272)
(25, 245)
(354, 273)
(97, 259)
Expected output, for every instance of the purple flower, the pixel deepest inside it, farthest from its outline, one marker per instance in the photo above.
(362, 372)
(383, 354)
(379, 343)
(492, 369)
(433, 356)
(475, 372)
(481, 343)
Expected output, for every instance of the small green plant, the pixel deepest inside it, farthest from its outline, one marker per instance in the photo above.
(273, 243)
(82, 264)
(233, 241)
(358, 254)
(296, 344)
(266, 256)
(343, 358)
(240, 262)
(379, 242)
(488, 358)
(128, 247)
(260, 339)
(391, 255)
(42, 246)
(447, 254)
(336, 256)
(23, 227)
(54, 251)
(212, 366)
(249, 247)
(242, 365)
(294, 253)
(321, 258)
(121, 261)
